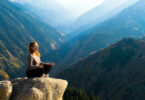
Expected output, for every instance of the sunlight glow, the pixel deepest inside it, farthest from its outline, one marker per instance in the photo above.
(74, 7)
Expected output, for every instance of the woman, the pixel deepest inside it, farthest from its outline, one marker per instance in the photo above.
(35, 68)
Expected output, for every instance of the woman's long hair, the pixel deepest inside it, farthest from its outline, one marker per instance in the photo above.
(31, 49)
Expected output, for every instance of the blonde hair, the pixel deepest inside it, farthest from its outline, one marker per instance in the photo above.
(31, 50)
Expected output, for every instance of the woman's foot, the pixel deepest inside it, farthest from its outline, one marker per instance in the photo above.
(46, 75)
(43, 75)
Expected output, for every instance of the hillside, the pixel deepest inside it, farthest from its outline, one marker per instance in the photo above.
(17, 28)
(113, 73)
(100, 14)
(129, 23)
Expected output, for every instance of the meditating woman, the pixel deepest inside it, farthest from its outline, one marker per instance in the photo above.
(36, 68)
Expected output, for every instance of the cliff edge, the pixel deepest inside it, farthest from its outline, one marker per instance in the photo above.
(44, 88)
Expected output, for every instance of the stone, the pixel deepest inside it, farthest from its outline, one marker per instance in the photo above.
(5, 90)
(43, 88)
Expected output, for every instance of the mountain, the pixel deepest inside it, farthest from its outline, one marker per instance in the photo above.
(129, 23)
(99, 14)
(113, 73)
(53, 14)
(17, 28)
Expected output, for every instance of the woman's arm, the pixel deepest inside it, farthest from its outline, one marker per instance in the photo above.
(30, 63)
(50, 63)
(45, 63)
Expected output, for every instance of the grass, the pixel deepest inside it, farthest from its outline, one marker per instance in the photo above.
(16, 64)
(1, 58)
(4, 74)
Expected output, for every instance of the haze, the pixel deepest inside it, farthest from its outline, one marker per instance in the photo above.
(73, 7)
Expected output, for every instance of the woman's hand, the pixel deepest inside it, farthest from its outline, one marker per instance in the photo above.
(52, 64)
(40, 66)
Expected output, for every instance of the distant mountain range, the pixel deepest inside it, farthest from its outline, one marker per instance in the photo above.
(113, 73)
(54, 14)
(59, 17)
(129, 23)
(17, 28)
(99, 14)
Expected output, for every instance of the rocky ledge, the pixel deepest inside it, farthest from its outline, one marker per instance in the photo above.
(33, 89)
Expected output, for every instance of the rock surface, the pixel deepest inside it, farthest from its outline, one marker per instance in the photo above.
(5, 90)
(44, 88)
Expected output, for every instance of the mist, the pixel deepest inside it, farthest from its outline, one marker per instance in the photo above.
(70, 8)
(101, 13)
(62, 13)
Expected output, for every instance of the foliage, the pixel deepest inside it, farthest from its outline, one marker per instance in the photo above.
(78, 94)
(113, 73)
(3, 75)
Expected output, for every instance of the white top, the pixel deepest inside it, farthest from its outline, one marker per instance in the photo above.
(33, 61)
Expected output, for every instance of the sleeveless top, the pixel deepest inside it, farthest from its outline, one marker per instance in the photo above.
(32, 62)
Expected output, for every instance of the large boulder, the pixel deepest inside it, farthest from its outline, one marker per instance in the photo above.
(44, 88)
(5, 90)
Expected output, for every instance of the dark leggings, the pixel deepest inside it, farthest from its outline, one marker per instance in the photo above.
(39, 71)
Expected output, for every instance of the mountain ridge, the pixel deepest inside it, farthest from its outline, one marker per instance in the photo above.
(18, 27)
(111, 73)
(128, 23)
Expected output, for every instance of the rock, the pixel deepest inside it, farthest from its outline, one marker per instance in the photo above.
(44, 88)
(17, 80)
(5, 90)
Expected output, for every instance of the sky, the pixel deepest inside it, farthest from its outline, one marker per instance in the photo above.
(60, 13)
(73, 7)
